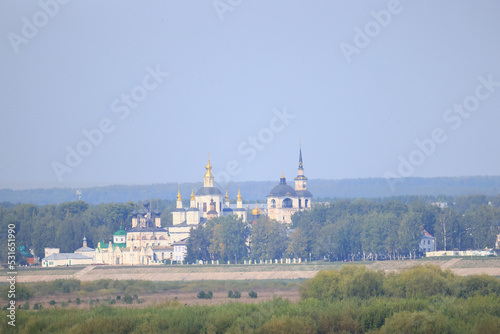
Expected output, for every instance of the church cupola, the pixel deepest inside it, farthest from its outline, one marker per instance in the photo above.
(227, 199)
(193, 200)
(239, 200)
(208, 178)
(256, 212)
(179, 199)
(283, 179)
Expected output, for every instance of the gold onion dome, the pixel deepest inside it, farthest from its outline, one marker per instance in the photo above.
(227, 197)
(239, 195)
(256, 211)
(209, 168)
(192, 195)
(179, 198)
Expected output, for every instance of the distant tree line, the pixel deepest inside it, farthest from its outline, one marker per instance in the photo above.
(373, 188)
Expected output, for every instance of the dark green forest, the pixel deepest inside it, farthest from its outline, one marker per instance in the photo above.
(64, 226)
(354, 230)
(338, 230)
(423, 299)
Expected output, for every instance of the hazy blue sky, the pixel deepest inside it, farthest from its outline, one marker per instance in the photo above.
(373, 88)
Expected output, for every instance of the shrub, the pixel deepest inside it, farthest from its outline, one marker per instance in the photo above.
(482, 285)
(78, 301)
(66, 285)
(417, 322)
(350, 281)
(424, 281)
(52, 302)
(128, 299)
(203, 295)
(23, 292)
(325, 285)
(37, 306)
(252, 294)
(232, 294)
(288, 324)
(118, 297)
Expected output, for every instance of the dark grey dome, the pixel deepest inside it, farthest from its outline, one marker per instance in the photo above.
(283, 189)
(304, 193)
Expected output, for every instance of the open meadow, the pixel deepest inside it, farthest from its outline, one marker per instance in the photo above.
(383, 297)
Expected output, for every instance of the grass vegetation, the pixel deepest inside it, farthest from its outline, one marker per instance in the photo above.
(423, 299)
(104, 287)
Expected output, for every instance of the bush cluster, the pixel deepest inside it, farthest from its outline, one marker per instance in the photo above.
(418, 282)
(205, 295)
(235, 294)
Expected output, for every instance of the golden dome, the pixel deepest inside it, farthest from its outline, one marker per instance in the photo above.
(239, 195)
(192, 195)
(227, 196)
(209, 168)
(256, 211)
(179, 198)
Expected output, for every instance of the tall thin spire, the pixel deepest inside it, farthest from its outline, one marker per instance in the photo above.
(301, 165)
(300, 180)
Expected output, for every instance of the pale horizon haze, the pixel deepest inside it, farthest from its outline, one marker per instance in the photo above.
(131, 92)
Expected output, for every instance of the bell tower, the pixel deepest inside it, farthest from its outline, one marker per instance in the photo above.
(300, 179)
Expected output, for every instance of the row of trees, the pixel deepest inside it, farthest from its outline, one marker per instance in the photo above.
(349, 230)
(230, 239)
(346, 230)
(338, 230)
(64, 226)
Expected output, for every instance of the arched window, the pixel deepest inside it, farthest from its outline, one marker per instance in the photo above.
(307, 202)
(300, 203)
(287, 203)
(273, 203)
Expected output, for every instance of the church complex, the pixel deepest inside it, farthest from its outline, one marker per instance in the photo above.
(148, 243)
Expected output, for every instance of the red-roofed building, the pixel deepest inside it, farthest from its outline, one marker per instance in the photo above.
(427, 243)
